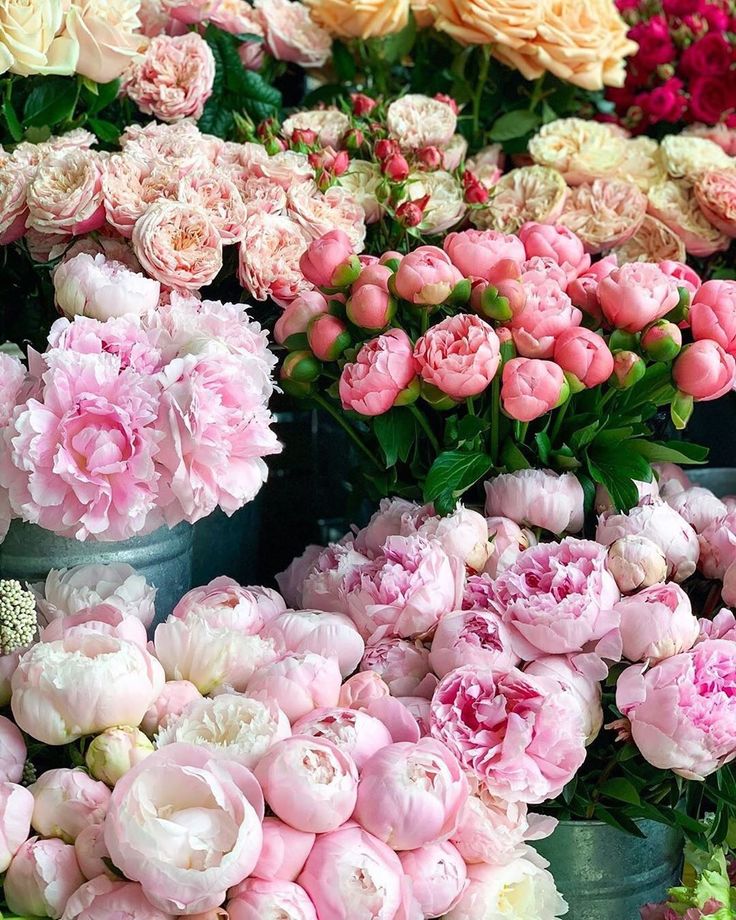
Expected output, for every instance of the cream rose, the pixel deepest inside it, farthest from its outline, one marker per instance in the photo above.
(685, 156)
(30, 42)
(362, 181)
(715, 192)
(652, 242)
(580, 150)
(366, 19)
(218, 195)
(643, 163)
(417, 121)
(530, 193)
(319, 213)
(328, 124)
(604, 213)
(446, 205)
(107, 34)
(675, 204)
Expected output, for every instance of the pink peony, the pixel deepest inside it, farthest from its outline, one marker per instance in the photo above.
(493, 890)
(539, 498)
(460, 355)
(351, 730)
(636, 294)
(96, 287)
(558, 243)
(270, 251)
(91, 852)
(718, 546)
(102, 898)
(362, 689)
(43, 875)
(16, 808)
(383, 368)
(495, 832)
(426, 277)
(704, 370)
(516, 733)
(713, 314)
(12, 752)
(479, 253)
(66, 802)
(403, 665)
(12, 378)
(547, 312)
(225, 603)
(171, 702)
(698, 506)
(463, 535)
(472, 637)
(531, 387)
(683, 710)
(507, 540)
(284, 851)
(585, 355)
(291, 326)
(582, 691)
(657, 623)
(298, 683)
(331, 635)
(636, 562)
(438, 876)
(583, 291)
(256, 898)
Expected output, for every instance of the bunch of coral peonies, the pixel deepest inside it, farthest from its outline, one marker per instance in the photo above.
(631, 196)
(171, 204)
(256, 761)
(141, 419)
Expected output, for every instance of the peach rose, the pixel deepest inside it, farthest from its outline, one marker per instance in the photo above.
(674, 203)
(479, 22)
(319, 213)
(218, 195)
(423, 11)
(65, 194)
(581, 150)
(106, 32)
(292, 34)
(652, 242)
(685, 156)
(642, 163)
(260, 194)
(287, 168)
(530, 193)
(604, 213)
(366, 19)
(269, 257)
(178, 245)
(31, 40)
(715, 192)
(417, 121)
(328, 124)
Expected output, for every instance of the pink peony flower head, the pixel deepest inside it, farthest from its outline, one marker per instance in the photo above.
(460, 355)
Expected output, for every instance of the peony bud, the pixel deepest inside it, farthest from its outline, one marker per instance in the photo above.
(371, 307)
(486, 300)
(298, 372)
(628, 369)
(330, 262)
(704, 370)
(291, 327)
(328, 336)
(681, 409)
(662, 341)
(115, 751)
(635, 563)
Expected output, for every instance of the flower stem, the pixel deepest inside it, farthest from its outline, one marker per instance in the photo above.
(561, 412)
(521, 430)
(347, 428)
(485, 60)
(495, 417)
(471, 405)
(424, 425)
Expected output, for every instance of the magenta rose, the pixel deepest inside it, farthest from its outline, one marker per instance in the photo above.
(459, 355)
(382, 369)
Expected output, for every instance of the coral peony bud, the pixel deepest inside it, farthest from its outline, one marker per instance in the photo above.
(328, 336)
(115, 751)
(371, 307)
(704, 370)
(628, 369)
(662, 340)
(330, 261)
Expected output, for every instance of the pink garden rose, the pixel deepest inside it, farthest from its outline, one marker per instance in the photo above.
(558, 243)
(479, 253)
(704, 370)
(636, 294)
(516, 733)
(683, 710)
(220, 196)
(96, 287)
(418, 121)
(292, 35)
(411, 795)
(191, 868)
(256, 898)
(12, 752)
(713, 314)
(65, 194)
(14, 208)
(426, 277)
(538, 498)
(66, 801)
(298, 683)
(284, 851)
(531, 387)
(42, 877)
(174, 78)
(269, 257)
(101, 898)
(585, 355)
(351, 730)
(657, 623)
(557, 598)
(382, 369)
(460, 355)
(16, 808)
(472, 637)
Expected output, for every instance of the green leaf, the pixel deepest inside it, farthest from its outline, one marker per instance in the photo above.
(215, 118)
(670, 451)
(106, 93)
(343, 62)
(397, 46)
(105, 130)
(454, 472)
(544, 446)
(395, 431)
(581, 437)
(620, 789)
(514, 124)
(471, 426)
(512, 458)
(620, 821)
(11, 120)
(51, 102)
(258, 98)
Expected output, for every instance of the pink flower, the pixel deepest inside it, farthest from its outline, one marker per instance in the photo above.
(715, 192)
(403, 665)
(309, 783)
(463, 535)
(507, 540)
(14, 180)
(558, 243)
(686, 276)
(102, 898)
(42, 877)
(683, 710)
(516, 733)
(351, 730)
(225, 603)
(292, 35)
(16, 808)
(173, 700)
(713, 314)
(460, 355)
(270, 254)
(585, 355)
(330, 261)
(636, 294)
(698, 506)
(362, 689)
(403, 592)
(655, 520)
(472, 637)
(395, 517)
(546, 313)
(12, 752)
(636, 562)
(718, 546)
(91, 852)
(704, 370)
(417, 121)
(530, 388)
(538, 498)
(100, 620)
(370, 305)
(583, 291)
(350, 872)
(291, 326)
(174, 78)
(66, 801)
(410, 795)
(12, 378)
(438, 876)
(383, 368)
(187, 867)
(657, 623)
(220, 197)
(478, 253)
(426, 276)
(284, 851)
(495, 832)
(298, 683)
(491, 889)
(65, 194)
(583, 691)
(256, 898)
(331, 635)
(96, 287)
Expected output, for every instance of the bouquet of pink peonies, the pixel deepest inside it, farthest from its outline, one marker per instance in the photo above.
(251, 761)
(503, 352)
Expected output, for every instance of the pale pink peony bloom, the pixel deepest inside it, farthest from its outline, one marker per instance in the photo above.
(298, 683)
(426, 276)
(16, 808)
(230, 726)
(683, 710)
(96, 287)
(718, 546)
(496, 832)
(698, 506)
(507, 541)
(309, 783)
(66, 801)
(583, 691)
(538, 498)
(410, 795)
(127, 337)
(171, 702)
(671, 475)
(12, 378)
(256, 898)
(322, 585)
(459, 355)
(462, 534)
(417, 121)
(636, 294)
(284, 851)
(585, 355)
(472, 637)
(383, 367)
(91, 852)
(531, 387)
(395, 517)
(351, 873)
(657, 623)
(516, 733)
(65, 194)
(662, 525)
(42, 877)
(405, 591)
(12, 752)
(225, 603)
(704, 370)
(270, 251)
(292, 35)
(403, 665)
(331, 635)
(190, 868)
(481, 253)
(14, 180)
(713, 314)
(351, 730)
(438, 874)
(636, 562)
(491, 889)
(102, 898)
(99, 620)
(362, 689)
(558, 243)
(330, 125)
(98, 681)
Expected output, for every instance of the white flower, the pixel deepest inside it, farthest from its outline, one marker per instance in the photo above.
(329, 125)
(446, 206)
(685, 156)
(362, 181)
(419, 121)
(518, 891)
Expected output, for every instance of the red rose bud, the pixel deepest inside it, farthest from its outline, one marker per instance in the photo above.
(298, 372)
(304, 136)
(385, 148)
(411, 213)
(475, 191)
(662, 340)
(371, 307)
(430, 157)
(395, 167)
(681, 409)
(448, 100)
(328, 336)
(628, 369)
(330, 160)
(362, 104)
(354, 139)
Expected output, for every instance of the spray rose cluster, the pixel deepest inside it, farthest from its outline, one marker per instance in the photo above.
(240, 705)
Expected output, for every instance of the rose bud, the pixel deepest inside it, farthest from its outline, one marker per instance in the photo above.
(426, 277)
(66, 801)
(474, 191)
(657, 623)
(41, 878)
(328, 336)
(431, 157)
(305, 136)
(362, 104)
(309, 783)
(16, 808)
(353, 140)
(411, 213)
(386, 148)
(438, 875)
(395, 167)
(411, 794)
(330, 261)
(635, 563)
(115, 751)
(356, 733)
(662, 341)
(531, 387)
(704, 370)
(371, 307)
(284, 851)
(628, 369)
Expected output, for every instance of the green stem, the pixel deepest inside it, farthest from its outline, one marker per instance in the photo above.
(537, 94)
(424, 425)
(561, 412)
(424, 320)
(470, 404)
(485, 61)
(495, 417)
(347, 428)
(607, 397)
(521, 430)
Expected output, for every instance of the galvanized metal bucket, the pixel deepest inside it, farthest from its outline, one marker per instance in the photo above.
(721, 480)
(28, 553)
(605, 874)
